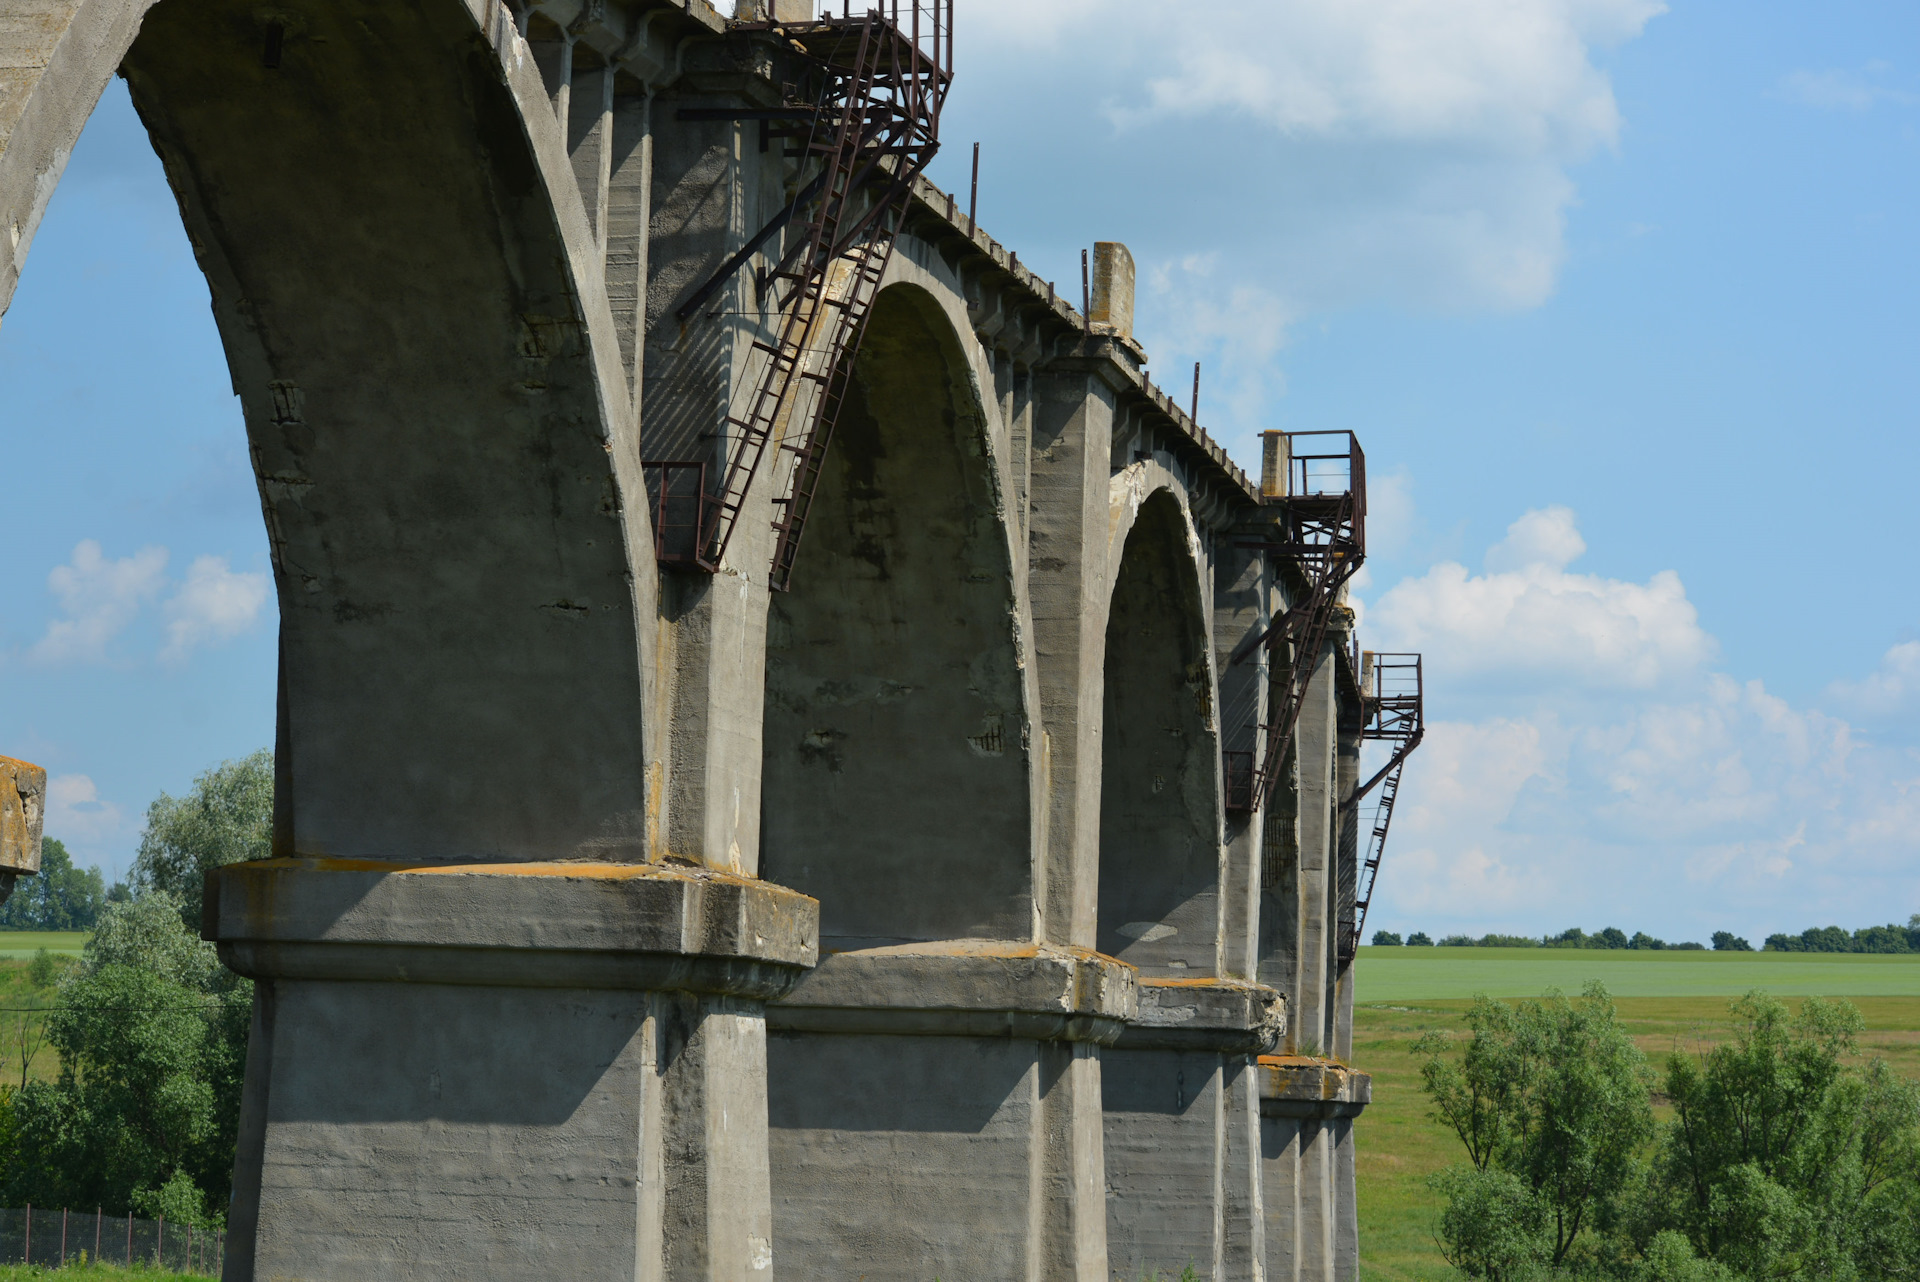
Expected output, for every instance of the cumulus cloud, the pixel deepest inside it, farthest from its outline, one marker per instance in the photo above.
(1890, 690)
(214, 604)
(98, 598)
(1586, 760)
(101, 597)
(1530, 615)
(77, 815)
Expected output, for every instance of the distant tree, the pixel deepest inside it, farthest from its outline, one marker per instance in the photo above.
(152, 1035)
(1882, 939)
(1689, 947)
(1385, 939)
(1457, 941)
(1643, 940)
(1611, 937)
(62, 897)
(1508, 941)
(1418, 939)
(1725, 941)
(1572, 938)
(1555, 1095)
(227, 817)
(1778, 943)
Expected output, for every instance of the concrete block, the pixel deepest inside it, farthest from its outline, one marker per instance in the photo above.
(627, 926)
(1213, 1014)
(23, 805)
(1302, 1086)
(1113, 276)
(964, 988)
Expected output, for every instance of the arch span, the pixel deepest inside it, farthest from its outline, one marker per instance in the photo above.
(1159, 825)
(381, 200)
(897, 741)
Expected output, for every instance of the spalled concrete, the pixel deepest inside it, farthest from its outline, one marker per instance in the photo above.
(23, 808)
(629, 920)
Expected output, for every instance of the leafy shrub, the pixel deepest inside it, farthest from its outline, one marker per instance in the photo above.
(1418, 939)
(1386, 939)
(1725, 941)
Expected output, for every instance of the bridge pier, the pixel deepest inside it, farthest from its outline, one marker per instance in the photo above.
(501, 1071)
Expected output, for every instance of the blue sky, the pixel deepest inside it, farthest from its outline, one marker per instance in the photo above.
(1618, 296)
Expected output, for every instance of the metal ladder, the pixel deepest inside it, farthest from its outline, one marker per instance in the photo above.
(874, 125)
(1395, 692)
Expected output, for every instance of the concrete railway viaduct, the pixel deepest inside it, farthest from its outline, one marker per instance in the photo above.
(968, 891)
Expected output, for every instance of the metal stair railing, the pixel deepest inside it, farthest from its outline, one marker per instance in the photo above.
(874, 124)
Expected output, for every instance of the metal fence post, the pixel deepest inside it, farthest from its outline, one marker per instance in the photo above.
(96, 1233)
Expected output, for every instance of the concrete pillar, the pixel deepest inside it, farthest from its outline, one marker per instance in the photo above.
(1307, 1108)
(935, 1111)
(1073, 413)
(1309, 1027)
(501, 1071)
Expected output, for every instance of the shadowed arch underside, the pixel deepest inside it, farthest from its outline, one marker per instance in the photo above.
(426, 423)
(896, 743)
(1159, 842)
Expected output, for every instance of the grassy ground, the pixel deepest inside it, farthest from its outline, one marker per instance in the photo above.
(25, 943)
(24, 1053)
(1420, 974)
(1399, 1145)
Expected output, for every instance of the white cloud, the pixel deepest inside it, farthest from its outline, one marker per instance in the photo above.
(1532, 617)
(75, 813)
(1608, 774)
(1544, 537)
(98, 599)
(214, 604)
(1892, 689)
(1835, 90)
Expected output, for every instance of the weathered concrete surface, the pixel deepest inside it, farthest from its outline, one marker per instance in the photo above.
(516, 966)
(23, 808)
(481, 1069)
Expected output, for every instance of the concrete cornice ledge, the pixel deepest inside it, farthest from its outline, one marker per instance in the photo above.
(1225, 1015)
(963, 988)
(1305, 1086)
(562, 924)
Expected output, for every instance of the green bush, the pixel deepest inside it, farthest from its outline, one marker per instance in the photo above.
(1784, 1159)
(1386, 939)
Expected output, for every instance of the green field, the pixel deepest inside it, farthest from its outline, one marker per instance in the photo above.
(1669, 1001)
(25, 943)
(1429, 974)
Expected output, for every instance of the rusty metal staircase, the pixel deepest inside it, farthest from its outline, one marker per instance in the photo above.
(872, 121)
(1393, 688)
(1321, 540)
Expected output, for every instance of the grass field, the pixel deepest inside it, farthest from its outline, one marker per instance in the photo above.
(1669, 1001)
(25, 943)
(1424, 974)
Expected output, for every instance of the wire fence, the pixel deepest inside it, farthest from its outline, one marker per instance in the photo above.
(35, 1235)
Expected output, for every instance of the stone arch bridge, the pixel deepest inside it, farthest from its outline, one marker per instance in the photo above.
(956, 912)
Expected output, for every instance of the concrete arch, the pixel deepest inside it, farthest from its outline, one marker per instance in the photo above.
(899, 765)
(1159, 791)
(409, 294)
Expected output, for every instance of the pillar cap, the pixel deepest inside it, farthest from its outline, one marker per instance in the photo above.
(653, 926)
